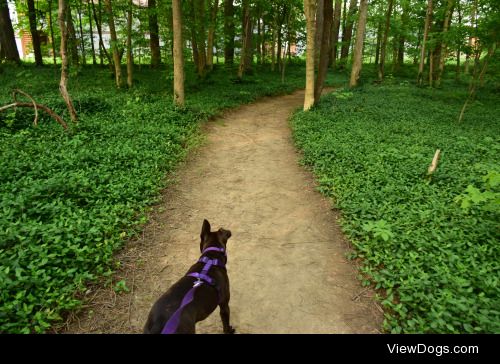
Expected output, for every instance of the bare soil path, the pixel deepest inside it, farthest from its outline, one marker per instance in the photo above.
(287, 265)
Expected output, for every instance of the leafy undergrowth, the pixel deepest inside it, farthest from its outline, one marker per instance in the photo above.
(431, 247)
(68, 201)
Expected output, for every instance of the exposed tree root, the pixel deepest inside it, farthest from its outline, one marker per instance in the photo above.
(35, 106)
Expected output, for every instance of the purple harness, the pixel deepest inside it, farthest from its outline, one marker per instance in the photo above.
(202, 277)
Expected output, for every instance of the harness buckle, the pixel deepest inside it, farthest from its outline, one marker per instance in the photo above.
(197, 283)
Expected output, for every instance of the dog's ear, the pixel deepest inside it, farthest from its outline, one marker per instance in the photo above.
(205, 230)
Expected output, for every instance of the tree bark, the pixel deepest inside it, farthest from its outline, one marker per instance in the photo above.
(335, 32)
(72, 41)
(130, 59)
(154, 39)
(358, 47)
(320, 7)
(228, 33)
(310, 13)
(51, 29)
(114, 43)
(198, 14)
(62, 17)
(8, 40)
(91, 33)
(347, 31)
(402, 37)
(325, 49)
(383, 47)
(377, 47)
(246, 28)
(102, 48)
(211, 33)
(35, 36)
(428, 17)
(178, 53)
(82, 43)
(444, 46)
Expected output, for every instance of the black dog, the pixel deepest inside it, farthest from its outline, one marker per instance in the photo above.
(196, 295)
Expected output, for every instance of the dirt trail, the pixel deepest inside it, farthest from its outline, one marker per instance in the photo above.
(287, 263)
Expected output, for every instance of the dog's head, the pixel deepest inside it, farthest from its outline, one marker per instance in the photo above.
(217, 238)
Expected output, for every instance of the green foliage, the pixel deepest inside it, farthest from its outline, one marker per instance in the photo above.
(431, 247)
(68, 201)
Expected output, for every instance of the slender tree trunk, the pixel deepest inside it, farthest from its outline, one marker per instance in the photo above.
(379, 41)
(249, 46)
(335, 32)
(91, 33)
(72, 41)
(130, 59)
(82, 43)
(199, 35)
(319, 32)
(474, 79)
(263, 43)
(471, 38)
(273, 50)
(211, 34)
(98, 23)
(229, 33)
(457, 71)
(114, 43)
(325, 48)
(35, 37)
(259, 37)
(383, 47)
(310, 13)
(246, 27)
(358, 48)
(444, 46)
(154, 39)
(347, 31)
(428, 17)
(178, 53)
(51, 29)
(402, 37)
(62, 17)
(8, 40)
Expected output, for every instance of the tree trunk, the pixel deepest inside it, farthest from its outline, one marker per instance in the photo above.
(82, 43)
(198, 7)
(459, 10)
(347, 31)
(310, 13)
(228, 33)
(444, 46)
(35, 37)
(8, 40)
(358, 48)
(91, 33)
(335, 32)
(377, 47)
(246, 27)
(259, 37)
(178, 53)
(273, 50)
(51, 29)
(72, 41)
(62, 17)
(130, 59)
(319, 32)
(383, 47)
(325, 52)
(402, 37)
(98, 23)
(211, 34)
(114, 43)
(154, 39)
(428, 17)
(471, 44)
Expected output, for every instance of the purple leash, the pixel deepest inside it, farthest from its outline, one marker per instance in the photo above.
(202, 277)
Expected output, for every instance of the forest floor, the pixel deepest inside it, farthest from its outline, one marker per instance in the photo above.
(286, 257)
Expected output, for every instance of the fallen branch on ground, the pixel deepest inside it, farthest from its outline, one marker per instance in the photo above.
(35, 106)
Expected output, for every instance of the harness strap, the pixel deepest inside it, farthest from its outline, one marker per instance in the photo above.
(172, 324)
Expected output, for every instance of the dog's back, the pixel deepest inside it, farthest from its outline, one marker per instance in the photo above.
(196, 295)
